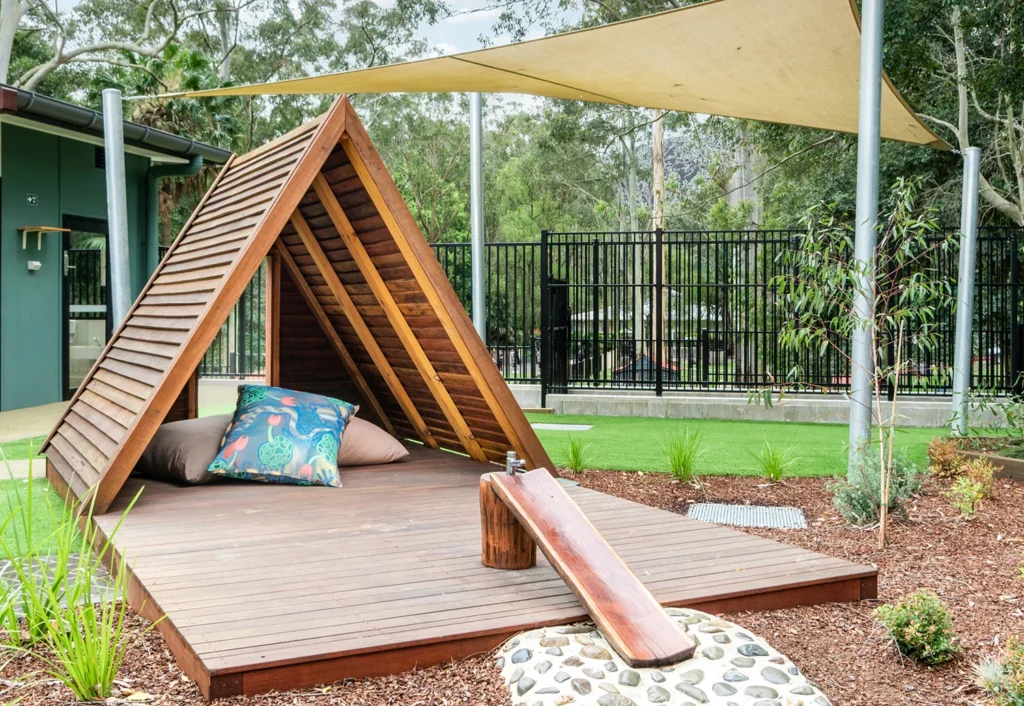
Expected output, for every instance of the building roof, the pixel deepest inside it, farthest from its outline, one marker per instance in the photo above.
(358, 308)
(20, 105)
(782, 61)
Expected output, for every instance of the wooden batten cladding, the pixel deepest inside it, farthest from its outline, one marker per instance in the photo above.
(357, 308)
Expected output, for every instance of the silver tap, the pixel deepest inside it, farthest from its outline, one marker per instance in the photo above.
(514, 465)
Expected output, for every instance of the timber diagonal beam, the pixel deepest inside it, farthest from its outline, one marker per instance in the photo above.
(397, 319)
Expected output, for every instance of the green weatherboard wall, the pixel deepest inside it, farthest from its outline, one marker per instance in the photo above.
(62, 175)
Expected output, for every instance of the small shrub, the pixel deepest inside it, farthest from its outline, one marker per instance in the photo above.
(860, 501)
(943, 459)
(973, 487)
(685, 452)
(982, 472)
(576, 455)
(920, 627)
(1003, 678)
(966, 496)
(774, 461)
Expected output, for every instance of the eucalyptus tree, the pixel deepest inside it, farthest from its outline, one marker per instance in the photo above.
(88, 32)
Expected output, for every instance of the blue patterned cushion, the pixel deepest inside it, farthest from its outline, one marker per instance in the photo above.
(283, 436)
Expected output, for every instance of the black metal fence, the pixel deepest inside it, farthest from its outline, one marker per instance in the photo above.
(512, 293)
(696, 310)
(672, 311)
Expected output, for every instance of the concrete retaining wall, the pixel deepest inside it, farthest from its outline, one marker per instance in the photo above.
(834, 409)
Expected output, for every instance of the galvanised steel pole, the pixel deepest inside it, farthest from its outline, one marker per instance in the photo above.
(963, 352)
(117, 206)
(868, 136)
(476, 213)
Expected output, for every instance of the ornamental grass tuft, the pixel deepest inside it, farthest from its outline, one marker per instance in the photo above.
(82, 643)
(684, 453)
(1003, 677)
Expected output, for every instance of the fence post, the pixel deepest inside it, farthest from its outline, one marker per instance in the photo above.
(545, 293)
(659, 310)
(1016, 384)
(595, 354)
(705, 357)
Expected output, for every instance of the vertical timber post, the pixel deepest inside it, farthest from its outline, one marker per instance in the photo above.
(504, 542)
(962, 355)
(868, 137)
(117, 207)
(476, 213)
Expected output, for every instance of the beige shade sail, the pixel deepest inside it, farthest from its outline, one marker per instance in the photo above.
(783, 61)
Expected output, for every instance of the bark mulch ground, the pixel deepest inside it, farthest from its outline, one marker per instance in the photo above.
(972, 564)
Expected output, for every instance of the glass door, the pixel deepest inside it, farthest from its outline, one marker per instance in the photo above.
(86, 304)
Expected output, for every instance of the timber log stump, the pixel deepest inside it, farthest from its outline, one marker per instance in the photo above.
(505, 542)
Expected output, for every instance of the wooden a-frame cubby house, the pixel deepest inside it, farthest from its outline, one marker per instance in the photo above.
(357, 308)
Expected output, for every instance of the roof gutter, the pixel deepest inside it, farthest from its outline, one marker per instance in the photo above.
(41, 108)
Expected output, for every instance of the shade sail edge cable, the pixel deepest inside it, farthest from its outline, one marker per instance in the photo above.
(732, 58)
(609, 99)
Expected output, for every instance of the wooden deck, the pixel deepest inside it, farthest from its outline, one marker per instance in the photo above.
(275, 587)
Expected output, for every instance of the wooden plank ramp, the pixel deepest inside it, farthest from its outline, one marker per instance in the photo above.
(627, 614)
(275, 587)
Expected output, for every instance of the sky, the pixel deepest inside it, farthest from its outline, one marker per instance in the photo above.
(471, 20)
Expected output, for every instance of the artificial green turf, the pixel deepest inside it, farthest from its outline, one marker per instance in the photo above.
(21, 449)
(45, 515)
(637, 443)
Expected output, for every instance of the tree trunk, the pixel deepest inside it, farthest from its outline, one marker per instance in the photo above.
(10, 18)
(226, 20)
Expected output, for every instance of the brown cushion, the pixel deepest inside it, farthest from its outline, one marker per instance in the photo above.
(365, 444)
(181, 451)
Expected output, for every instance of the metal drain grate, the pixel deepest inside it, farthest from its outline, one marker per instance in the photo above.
(748, 515)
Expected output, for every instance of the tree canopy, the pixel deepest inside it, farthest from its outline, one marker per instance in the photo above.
(549, 164)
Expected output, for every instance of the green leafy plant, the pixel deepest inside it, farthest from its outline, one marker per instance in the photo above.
(944, 461)
(860, 499)
(684, 453)
(774, 461)
(970, 490)
(823, 285)
(576, 453)
(966, 496)
(1003, 678)
(920, 627)
(982, 472)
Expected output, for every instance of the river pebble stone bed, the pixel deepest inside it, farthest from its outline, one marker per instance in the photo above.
(574, 664)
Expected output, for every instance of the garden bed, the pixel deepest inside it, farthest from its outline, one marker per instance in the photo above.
(971, 564)
(993, 449)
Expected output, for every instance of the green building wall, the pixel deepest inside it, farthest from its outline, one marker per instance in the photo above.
(63, 176)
